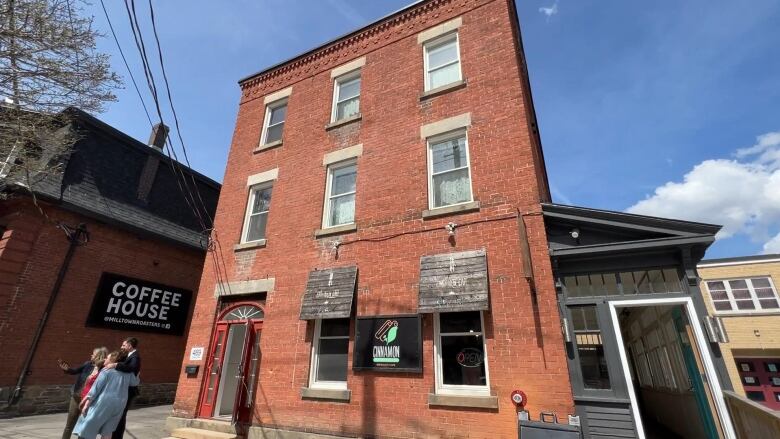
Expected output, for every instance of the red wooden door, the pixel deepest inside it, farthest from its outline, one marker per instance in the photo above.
(761, 380)
(246, 392)
(212, 371)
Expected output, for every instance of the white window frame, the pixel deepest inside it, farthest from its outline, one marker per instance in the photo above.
(269, 107)
(751, 289)
(438, 41)
(326, 220)
(443, 138)
(253, 190)
(315, 356)
(355, 74)
(452, 389)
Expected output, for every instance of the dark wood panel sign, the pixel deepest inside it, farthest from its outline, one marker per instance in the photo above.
(329, 293)
(388, 343)
(129, 304)
(454, 282)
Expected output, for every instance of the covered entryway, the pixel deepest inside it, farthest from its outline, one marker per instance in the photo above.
(233, 364)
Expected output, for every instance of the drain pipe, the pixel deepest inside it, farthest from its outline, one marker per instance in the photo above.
(76, 237)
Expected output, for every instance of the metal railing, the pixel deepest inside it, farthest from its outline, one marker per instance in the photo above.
(751, 419)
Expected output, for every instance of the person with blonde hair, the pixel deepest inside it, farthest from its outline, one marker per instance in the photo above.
(102, 407)
(86, 372)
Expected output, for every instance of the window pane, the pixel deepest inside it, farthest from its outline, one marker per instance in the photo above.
(672, 278)
(463, 360)
(719, 295)
(768, 303)
(656, 279)
(570, 283)
(343, 180)
(342, 210)
(627, 281)
(332, 359)
(274, 133)
(760, 282)
(334, 328)
(460, 322)
(278, 114)
(262, 200)
(451, 188)
(741, 294)
(349, 89)
(745, 304)
(257, 227)
(450, 154)
(610, 284)
(716, 286)
(593, 362)
(723, 306)
(445, 75)
(347, 108)
(765, 292)
(442, 54)
(738, 284)
(642, 280)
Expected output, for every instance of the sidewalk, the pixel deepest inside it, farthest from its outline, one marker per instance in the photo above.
(142, 423)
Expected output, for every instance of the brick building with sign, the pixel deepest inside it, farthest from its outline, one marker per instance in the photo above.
(396, 268)
(107, 249)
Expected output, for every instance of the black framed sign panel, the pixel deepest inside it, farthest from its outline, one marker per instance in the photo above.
(129, 304)
(388, 343)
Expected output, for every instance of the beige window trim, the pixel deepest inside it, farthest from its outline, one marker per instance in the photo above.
(445, 125)
(245, 287)
(439, 30)
(262, 177)
(348, 67)
(340, 155)
(281, 94)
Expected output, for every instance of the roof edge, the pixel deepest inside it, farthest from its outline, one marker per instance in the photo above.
(739, 260)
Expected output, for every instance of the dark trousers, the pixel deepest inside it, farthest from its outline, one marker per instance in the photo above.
(73, 416)
(119, 433)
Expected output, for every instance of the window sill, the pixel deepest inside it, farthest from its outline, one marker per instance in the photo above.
(472, 206)
(478, 402)
(250, 245)
(268, 146)
(326, 394)
(343, 122)
(457, 85)
(750, 313)
(346, 228)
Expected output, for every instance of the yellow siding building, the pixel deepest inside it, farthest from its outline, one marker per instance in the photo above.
(743, 292)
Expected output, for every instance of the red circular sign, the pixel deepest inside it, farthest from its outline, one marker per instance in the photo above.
(519, 398)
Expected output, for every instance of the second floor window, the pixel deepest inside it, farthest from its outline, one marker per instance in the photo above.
(743, 295)
(442, 62)
(346, 97)
(449, 173)
(340, 194)
(257, 213)
(275, 115)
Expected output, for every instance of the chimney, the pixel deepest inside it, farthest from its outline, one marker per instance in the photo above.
(158, 136)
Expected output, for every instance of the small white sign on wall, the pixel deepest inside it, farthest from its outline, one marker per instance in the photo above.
(196, 353)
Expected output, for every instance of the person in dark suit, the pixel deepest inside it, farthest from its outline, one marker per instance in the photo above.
(132, 364)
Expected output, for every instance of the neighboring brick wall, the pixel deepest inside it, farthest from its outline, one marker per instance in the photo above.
(31, 254)
(524, 343)
(749, 335)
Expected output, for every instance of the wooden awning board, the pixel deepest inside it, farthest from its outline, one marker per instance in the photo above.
(454, 282)
(329, 293)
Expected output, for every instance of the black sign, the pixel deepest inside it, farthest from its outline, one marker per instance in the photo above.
(388, 343)
(129, 304)
(329, 293)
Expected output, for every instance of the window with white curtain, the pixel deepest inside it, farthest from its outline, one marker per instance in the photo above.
(340, 194)
(346, 96)
(273, 127)
(448, 169)
(257, 212)
(442, 61)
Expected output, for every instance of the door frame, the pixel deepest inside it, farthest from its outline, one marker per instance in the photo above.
(709, 365)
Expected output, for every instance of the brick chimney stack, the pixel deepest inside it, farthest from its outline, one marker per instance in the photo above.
(158, 136)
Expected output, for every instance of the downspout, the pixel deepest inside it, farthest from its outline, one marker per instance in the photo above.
(76, 238)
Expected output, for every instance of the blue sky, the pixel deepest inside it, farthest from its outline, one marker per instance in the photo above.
(663, 108)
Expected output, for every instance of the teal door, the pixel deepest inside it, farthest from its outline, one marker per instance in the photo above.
(697, 385)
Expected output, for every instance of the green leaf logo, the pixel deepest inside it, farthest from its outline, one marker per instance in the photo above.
(391, 334)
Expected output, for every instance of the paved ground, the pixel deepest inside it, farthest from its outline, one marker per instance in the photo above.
(142, 423)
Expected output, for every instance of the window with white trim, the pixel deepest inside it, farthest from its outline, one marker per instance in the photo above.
(449, 174)
(442, 61)
(257, 212)
(330, 354)
(743, 295)
(273, 126)
(346, 96)
(460, 354)
(340, 194)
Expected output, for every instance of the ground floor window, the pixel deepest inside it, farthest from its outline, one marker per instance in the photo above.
(760, 378)
(590, 347)
(330, 354)
(461, 357)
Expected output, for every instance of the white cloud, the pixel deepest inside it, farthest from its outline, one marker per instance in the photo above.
(742, 194)
(549, 11)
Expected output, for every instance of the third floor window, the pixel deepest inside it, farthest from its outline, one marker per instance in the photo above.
(346, 97)
(273, 127)
(442, 62)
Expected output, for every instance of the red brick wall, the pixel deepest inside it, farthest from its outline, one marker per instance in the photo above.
(31, 254)
(525, 349)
